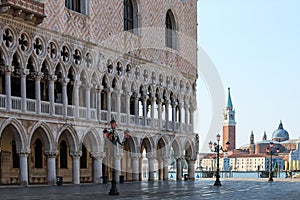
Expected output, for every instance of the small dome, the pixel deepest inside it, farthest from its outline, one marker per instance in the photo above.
(280, 134)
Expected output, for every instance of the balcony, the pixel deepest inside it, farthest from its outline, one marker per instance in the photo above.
(43, 109)
(31, 11)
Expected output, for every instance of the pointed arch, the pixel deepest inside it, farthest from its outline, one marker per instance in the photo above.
(71, 136)
(189, 148)
(147, 144)
(46, 134)
(162, 147)
(125, 85)
(92, 141)
(18, 132)
(176, 145)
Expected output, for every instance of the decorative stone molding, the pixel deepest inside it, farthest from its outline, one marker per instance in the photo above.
(29, 10)
(51, 153)
(76, 154)
(98, 155)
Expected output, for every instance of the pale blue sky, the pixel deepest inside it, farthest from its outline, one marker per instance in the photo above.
(255, 45)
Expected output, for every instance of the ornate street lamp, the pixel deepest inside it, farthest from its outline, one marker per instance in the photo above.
(270, 151)
(217, 148)
(112, 136)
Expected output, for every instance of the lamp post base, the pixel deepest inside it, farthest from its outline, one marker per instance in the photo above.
(217, 183)
(113, 192)
(113, 189)
(270, 179)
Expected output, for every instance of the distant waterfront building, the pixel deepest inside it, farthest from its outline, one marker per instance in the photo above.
(229, 124)
(253, 156)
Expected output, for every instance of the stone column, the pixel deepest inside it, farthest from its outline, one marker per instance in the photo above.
(76, 167)
(108, 104)
(174, 115)
(97, 166)
(186, 107)
(38, 77)
(23, 74)
(145, 110)
(23, 168)
(119, 105)
(136, 108)
(128, 94)
(152, 112)
(167, 103)
(178, 168)
(165, 167)
(8, 70)
(191, 120)
(51, 167)
(76, 98)
(180, 116)
(117, 166)
(88, 100)
(159, 114)
(64, 83)
(135, 167)
(51, 80)
(191, 169)
(160, 169)
(98, 101)
(151, 159)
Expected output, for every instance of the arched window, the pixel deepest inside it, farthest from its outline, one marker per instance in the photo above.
(15, 155)
(83, 158)
(63, 152)
(77, 5)
(38, 154)
(128, 15)
(170, 30)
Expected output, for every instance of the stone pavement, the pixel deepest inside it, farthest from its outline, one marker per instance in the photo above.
(199, 189)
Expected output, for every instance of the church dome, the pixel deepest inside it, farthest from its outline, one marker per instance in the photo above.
(280, 134)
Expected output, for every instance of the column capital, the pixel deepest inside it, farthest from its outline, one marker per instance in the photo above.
(186, 106)
(76, 154)
(24, 152)
(38, 75)
(166, 158)
(77, 83)
(64, 81)
(179, 157)
(144, 97)
(118, 156)
(152, 99)
(88, 86)
(135, 155)
(108, 90)
(151, 155)
(23, 72)
(98, 155)
(180, 104)
(52, 153)
(7, 69)
(51, 77)
(167, 101)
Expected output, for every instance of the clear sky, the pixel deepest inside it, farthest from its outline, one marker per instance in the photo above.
(255, 46)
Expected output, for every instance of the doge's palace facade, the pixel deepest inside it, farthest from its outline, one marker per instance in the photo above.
(68, 67)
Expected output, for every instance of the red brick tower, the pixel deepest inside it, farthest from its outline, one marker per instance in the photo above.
(229, 124)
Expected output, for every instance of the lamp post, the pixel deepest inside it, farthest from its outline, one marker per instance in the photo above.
(112, 136)
(217, 148)
(271, 152)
